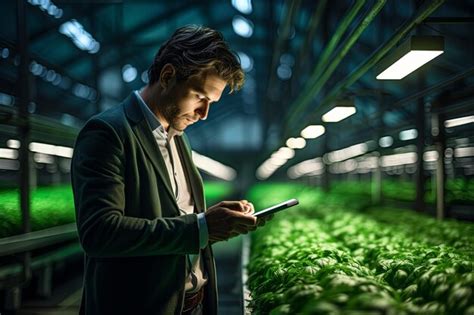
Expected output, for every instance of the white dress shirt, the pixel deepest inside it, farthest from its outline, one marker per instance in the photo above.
(181, 189)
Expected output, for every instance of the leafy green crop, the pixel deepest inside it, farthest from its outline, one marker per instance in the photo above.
(458, 190)
(53, 206)
(50, 206)
(336, 255)
(217, 191)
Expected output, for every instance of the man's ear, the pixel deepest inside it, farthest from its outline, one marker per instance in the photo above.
(168, 73)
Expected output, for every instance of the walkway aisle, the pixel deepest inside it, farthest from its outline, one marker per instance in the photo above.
(229, 276)
(66, 297)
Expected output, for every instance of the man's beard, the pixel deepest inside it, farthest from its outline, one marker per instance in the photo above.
(170, 112)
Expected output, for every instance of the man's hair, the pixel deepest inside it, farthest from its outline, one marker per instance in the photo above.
(194, 49)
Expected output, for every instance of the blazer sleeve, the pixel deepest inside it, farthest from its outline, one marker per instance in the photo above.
(98, 183)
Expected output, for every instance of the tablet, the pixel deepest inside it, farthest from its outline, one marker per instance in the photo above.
(276, 208)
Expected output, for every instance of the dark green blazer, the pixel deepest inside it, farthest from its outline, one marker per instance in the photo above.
(134, 239)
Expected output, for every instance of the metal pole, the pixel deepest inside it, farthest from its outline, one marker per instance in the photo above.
(449, 20)
(437, 131)
(281, 44)
(325, 175)
(377, 174)
(306, 49)
(420, 147)
(377, 183)
(24, 128)
(95, 63)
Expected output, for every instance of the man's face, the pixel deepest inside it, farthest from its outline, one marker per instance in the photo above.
(185, 102)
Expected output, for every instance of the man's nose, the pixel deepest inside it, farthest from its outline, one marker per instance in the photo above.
(204, 110)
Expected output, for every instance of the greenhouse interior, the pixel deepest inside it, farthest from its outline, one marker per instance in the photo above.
(362, 110)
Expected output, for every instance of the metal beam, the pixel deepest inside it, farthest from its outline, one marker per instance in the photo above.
(306, 48)
(73, 14)
(449, 20)
(62, 71)
(282, 39)
(419, 16)
(140, 49)
(324, 70)
(38, 239)
(119, 39)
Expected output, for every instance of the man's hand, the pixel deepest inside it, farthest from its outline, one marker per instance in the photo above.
(230, 218)
(260, 221)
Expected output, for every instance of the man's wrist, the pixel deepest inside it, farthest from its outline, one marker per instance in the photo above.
(203, 232)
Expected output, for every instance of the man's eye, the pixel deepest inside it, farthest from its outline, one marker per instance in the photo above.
(200, 97)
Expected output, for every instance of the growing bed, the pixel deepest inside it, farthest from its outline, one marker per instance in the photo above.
(335, 254)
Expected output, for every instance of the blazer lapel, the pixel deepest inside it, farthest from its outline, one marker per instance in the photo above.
(194, 178)
(148, 142)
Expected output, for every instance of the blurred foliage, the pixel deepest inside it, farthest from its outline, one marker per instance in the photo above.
(53, 206)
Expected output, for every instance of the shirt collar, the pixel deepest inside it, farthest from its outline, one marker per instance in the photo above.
(153, 121)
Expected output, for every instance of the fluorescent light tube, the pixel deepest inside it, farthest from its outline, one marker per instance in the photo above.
(409, 134)
(339, 113)
(409, 56)
(407, 64)
(213, 167)
(312, 131)
(296, 143)
(459, 121)
(8, 154)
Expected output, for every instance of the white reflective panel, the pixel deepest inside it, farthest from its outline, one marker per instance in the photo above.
(277, 161)
(338, 113)
(11, 165)
(296, 143)
(386, 141)
(308, 167)
(242, 26)
(8, 154)
(13, 144)
(5, 53)
(464, 152)
(42, 148)
(430, 156)
(284, 72)
(284, 152)
(144, 77)
(408, 63)
(129, 73)
(368, 163)
(312, 131)
(409, 134)
(43, 158)
(79, 36)
(263, 172)
(399, 159)
(244, 6)
(6, 99)
(245, 61)
(213, 167)
(346, 153)
(50, 149)
(64, 151)
(459, 121)
(48, 7)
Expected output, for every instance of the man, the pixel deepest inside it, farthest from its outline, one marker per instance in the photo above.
(140, 208)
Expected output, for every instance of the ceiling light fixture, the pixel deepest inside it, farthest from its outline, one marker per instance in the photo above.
(339, 113)
(312, 131)
(409, 56)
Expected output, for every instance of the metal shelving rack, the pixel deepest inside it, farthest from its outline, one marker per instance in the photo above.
(19, 123)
